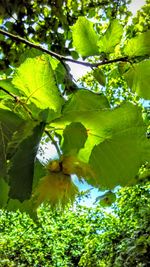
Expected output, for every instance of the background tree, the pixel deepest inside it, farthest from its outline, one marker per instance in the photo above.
(48, 22)
(80, 235)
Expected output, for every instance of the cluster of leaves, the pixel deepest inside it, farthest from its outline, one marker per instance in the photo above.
(80, 236)
(108, 79)
(126, 238)
(140, 21)
(104, 144)
(48, 22)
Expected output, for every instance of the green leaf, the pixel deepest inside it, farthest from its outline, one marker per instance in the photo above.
(22, 161)
(138, 78)
(84, 100)
(9, 123)
(84, 37)
(84, 107)
(75, 136)
(35, 80)
(111, 37)
(138, 46)
(4, 189)
(99, 76)
(39, 172)
(106, 199)
(117, 159)
(7, 84)
(116, 146)
(29, 53)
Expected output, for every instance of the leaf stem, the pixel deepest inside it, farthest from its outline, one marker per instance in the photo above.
(58, 56)
(54, 142)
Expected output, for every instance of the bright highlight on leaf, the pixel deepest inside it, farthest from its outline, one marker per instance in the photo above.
(111, 37)
(35, 81)
(138, 46)
(84, 37)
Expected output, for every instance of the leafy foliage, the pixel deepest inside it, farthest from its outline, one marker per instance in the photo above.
(125, 240)
(111, 37)
(135, 75)
(84, 37)
(35, 81)
(138, 46)
(48, 22)
(21, 175)
(80, 236)
(103, 142)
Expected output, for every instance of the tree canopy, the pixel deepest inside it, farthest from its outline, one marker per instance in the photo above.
(80, 236)
(98, 125)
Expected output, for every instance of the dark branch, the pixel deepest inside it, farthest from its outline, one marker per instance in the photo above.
(10, 94)
(17, 100)
(58, 56)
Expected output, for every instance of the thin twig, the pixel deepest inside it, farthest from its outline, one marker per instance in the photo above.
(16, 98)
(58, 56)
(54, 142)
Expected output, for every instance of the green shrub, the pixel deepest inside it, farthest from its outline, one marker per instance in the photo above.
(80, 236)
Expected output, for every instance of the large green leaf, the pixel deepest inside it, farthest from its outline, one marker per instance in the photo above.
(75, 136)
(111, 37)
(138, 46)
(116, 145)
(117, 159)
(22, 161)
(9, 123)
(84, 37)
(85, 100)
(84, 107)
(35, 80)
(138, 78)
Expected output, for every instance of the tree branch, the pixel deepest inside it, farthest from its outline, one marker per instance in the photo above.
(58, 56)
(54, 142)
(15, 97)
(17, 100)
